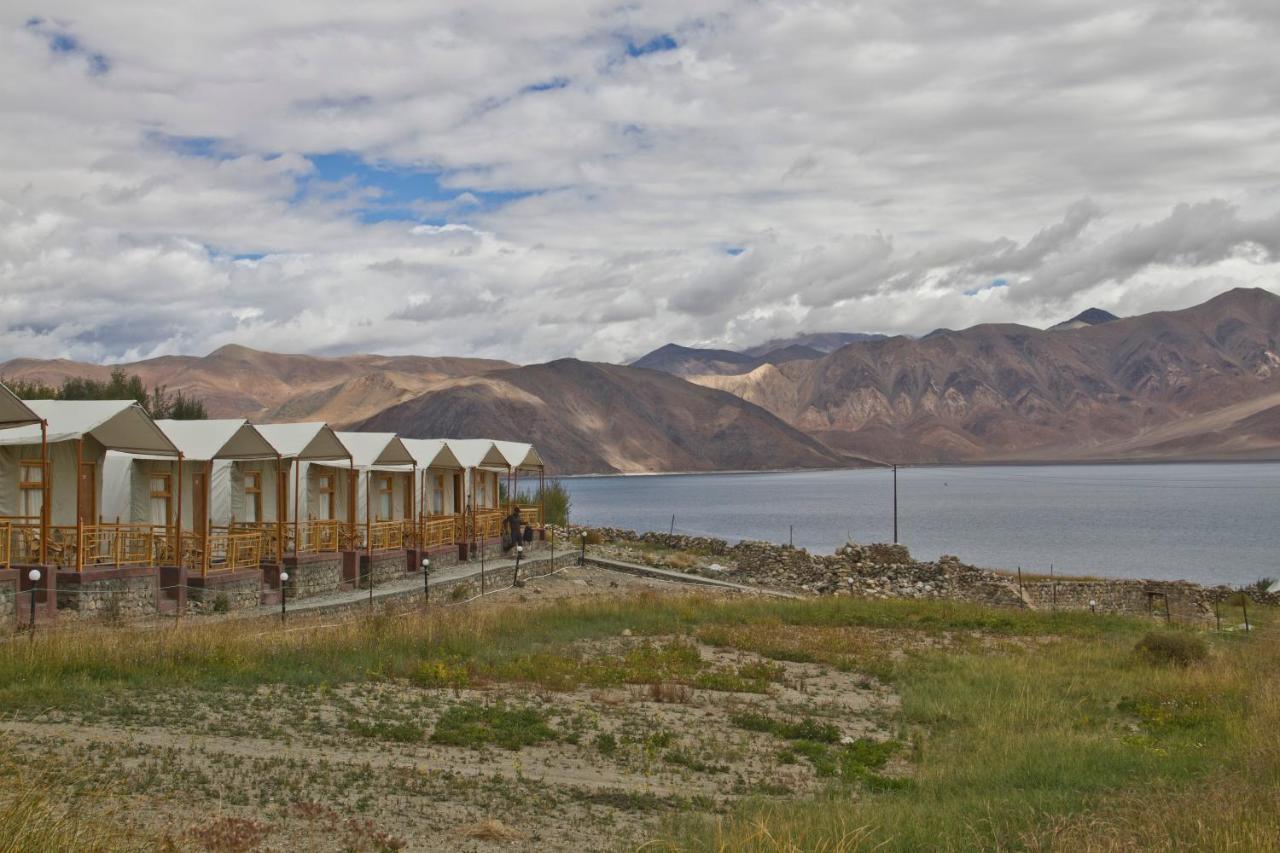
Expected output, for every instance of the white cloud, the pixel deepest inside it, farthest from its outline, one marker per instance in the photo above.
(877, 162)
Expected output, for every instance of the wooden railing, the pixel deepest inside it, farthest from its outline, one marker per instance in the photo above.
(386, 535)
(530, 514)
(268, 530)
(6, 537)
(319, 536)
(223, 550)
(486, 523)
(437, 530)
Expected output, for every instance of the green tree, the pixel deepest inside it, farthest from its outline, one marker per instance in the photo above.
(158, 402)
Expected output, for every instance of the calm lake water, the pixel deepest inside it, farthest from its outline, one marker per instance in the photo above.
(1211, 523)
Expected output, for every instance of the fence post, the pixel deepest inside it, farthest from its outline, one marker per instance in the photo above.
(1244, 605)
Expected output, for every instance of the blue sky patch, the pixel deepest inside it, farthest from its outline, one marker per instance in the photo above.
(657, 44)
(734, 250)
(548, 85)
(998, 282)
(67, 44)
(382, 193)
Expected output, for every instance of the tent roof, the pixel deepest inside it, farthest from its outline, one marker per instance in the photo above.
(229, 438)
(369, 449)
(519, 454)
(117, 424)
(306, 441)
(14, 412)
(476, 453)
(432, 453)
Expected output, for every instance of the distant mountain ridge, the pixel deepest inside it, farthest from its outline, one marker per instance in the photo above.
(1172, 384)
(1198, 383)
(687, 361)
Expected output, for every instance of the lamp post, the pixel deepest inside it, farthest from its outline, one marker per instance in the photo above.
(34, 577)
(1093, 606)
(284, 579)
(582, 560)
(515, 581)
(426, 579)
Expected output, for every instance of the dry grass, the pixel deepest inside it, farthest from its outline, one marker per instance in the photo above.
(490, 830)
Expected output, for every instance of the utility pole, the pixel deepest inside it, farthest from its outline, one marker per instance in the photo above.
(895, 504)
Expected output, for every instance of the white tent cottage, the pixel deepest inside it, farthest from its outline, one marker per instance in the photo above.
(312, 498)
(382, 493)
(223, 491)
(55, 506)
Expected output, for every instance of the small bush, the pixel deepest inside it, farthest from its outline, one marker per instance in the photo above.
(461, 592)
(221, 604)
(399, 732)
(673, 694)
(606, 743)
(1170, 647)
(475, 725)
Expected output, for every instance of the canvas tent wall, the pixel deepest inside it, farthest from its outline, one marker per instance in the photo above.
(301, 445)
(218, 456)
(383, 488)
(79, 434)
(485, 465)
(440, 476)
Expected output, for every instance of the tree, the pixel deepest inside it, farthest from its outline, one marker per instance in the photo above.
(158, 402)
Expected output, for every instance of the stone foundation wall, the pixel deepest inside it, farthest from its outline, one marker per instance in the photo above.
(1185, 601)
(241, 591)
(8, 604)
(125, 597)
(387, 566)
(888, 571)
(319, 575)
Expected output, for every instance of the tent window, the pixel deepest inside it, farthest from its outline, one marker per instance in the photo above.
(482, 491)
(437, 494)
(161, 499)
(385, 504)
(252, 496)
(325, 488)
(32, 489)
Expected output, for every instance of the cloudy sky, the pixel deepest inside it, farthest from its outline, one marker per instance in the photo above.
(539, 179)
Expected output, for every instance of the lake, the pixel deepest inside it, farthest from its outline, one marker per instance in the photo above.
(1210, 523)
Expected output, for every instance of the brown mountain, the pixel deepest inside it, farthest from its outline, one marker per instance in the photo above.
(237, 381)
(587, 417)
(1193, 383)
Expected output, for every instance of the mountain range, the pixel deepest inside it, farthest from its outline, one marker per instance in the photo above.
(1199, 383)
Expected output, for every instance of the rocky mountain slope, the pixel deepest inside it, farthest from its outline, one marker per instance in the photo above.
(587, 417)
(1193, 383)
(236, 381)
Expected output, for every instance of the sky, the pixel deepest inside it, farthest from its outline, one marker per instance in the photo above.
(543, 179)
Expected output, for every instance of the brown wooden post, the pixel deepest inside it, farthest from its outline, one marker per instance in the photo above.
(297, 495)
(368, 524)
(177, 527)
(413, 504)
(542, 500)
(45, 469)
(204, 522)
(79, 497)
(279, 520)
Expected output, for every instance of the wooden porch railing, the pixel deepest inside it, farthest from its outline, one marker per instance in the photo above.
(6, 538)
(224, 550)
(486, 523)
(435, 531)
(530, 514)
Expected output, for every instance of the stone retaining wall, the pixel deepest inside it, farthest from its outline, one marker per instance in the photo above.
(387, 566)
(220, 594)
(123, 595)
(8, 602)
(320, 574)
(888, 571)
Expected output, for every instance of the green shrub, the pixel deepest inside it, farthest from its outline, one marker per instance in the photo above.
(1171, 647)
(399, 732)
(474, 725)
(221, 604)
(606, 743)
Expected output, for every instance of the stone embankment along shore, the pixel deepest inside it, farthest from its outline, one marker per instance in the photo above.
(889, 571)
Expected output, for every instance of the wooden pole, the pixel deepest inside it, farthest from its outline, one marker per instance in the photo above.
(45, 469)
(177, 527)
(895, 504)
(204, 522)
(413, 505)
(297, 494)
(279, 520)
(79, 504)
(542, 499)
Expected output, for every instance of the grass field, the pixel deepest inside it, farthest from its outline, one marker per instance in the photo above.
(680, 722)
